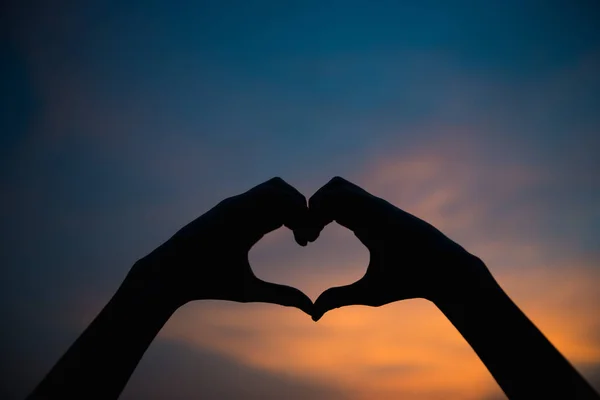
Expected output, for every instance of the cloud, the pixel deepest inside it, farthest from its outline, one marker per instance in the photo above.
(132, 138)
(486, 204)
(493, 201)
(168, 370)
(411, 341)
(173, 370)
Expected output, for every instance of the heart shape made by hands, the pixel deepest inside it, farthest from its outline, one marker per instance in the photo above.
(335, 258)
(408, 258)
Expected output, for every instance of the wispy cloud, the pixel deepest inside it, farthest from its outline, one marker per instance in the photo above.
(411, 341)
(143, 118)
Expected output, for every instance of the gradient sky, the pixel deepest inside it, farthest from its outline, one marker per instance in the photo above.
(121, 121)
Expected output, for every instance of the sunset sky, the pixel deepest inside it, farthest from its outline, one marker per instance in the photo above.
(121, 121)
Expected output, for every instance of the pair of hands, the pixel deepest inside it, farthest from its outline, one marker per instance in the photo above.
(208, 258)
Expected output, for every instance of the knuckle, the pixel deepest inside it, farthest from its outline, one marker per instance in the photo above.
(337, 180)
(228, 202)
(302, 197)
(276, 181)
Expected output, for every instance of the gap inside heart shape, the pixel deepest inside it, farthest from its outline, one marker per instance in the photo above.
(336, 258)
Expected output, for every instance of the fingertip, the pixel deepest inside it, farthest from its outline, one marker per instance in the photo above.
(303, 303)
(313, 226)
(319, 309)
(312, 234)
(317, 312)
(300, 238)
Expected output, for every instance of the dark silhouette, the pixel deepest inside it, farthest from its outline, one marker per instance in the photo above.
(409, 258)
(208, 259)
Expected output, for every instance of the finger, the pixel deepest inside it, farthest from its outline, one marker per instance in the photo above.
(267, 292)
(273, 204)
(297, 219)
(343, 202)
(337, 297)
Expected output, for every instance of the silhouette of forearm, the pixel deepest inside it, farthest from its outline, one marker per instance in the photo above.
(100, 362)
(523, 362)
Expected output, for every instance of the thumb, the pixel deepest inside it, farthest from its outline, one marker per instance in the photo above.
(267, 292)
(336, 297)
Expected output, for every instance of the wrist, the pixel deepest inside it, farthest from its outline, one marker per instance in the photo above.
(143, 289)
(470, 283)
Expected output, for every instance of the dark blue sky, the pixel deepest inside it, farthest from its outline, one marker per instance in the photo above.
(122, 121)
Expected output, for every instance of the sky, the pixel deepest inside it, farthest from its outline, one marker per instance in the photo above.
(122, 121)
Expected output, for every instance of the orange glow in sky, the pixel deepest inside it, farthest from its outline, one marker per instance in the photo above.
(124, 121)
(407, 349)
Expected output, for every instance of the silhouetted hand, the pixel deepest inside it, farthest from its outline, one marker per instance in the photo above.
(208, 258)
(409, 258)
